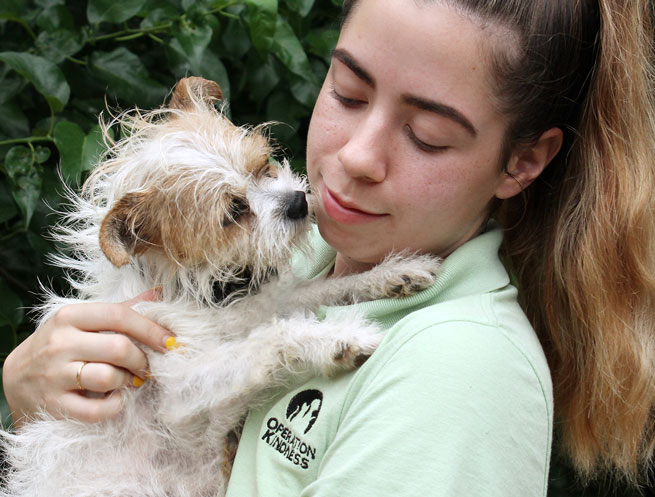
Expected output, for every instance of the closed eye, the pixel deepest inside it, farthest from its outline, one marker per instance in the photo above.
(345, 101)
(421, 145)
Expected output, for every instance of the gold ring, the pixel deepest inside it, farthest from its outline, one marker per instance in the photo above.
(79, 375)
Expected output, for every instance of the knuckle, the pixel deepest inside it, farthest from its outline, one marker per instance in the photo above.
(63, 315)
(105, 379)
(119, 348)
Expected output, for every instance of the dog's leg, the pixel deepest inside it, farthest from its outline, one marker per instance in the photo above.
(225, 382)
(396, 276)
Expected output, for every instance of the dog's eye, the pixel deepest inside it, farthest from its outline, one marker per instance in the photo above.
(238, 207)
(268, 171)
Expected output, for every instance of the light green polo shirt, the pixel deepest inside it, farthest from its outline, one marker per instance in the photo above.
(456, 401)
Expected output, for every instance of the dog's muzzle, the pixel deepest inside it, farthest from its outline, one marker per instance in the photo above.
(296, 205)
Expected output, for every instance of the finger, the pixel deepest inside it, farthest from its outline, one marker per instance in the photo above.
(113, 349)
(102, 378)
(91, 409)
(114, 317)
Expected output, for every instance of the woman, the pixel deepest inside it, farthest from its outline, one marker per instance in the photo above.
(434, 117)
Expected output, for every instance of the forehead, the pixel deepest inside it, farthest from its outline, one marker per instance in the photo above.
(425, 48)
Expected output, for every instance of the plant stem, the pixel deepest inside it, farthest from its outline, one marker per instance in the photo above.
(31, 139)
(77, 61)
(131, 32)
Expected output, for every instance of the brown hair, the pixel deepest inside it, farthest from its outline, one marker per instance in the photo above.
(581, 239)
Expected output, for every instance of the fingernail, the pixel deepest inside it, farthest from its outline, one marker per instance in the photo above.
(137, 382)
(157, 292)
(171, 343)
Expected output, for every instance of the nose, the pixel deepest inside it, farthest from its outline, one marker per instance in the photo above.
(363, 156)
(296, 205)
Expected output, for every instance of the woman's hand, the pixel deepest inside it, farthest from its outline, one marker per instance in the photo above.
(44, 370)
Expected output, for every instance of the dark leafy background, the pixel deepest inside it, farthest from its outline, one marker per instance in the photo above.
(62, 63)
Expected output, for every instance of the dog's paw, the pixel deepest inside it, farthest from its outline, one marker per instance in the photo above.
(407, 275)
(350, 353)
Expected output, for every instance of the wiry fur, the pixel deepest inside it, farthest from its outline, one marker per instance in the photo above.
(162, 209)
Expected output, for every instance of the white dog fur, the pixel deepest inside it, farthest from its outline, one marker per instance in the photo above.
(185, 202)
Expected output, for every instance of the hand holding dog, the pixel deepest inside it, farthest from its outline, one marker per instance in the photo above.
(42, 371)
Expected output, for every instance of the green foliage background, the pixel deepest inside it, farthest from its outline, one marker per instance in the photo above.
(62, 63)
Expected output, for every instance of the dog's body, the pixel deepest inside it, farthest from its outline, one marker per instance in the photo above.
(191, 204)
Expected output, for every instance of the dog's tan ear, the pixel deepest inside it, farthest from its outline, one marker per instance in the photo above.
(190, 91)
(128, 229)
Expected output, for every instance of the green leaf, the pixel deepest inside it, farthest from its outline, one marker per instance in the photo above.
(69, 139)
(301, 6)
(14, 123)
(54, 18)
(160, 15)
(11, 312)
(262, 77)
(49, 3)
(262, 16)
(94, 147)
(322, 42)
(280, 107)
(189, 53)
(78, 152)
(235, 40)
(46, 77)
(10, 85)
(304, 91)
(7, 205)
(189, 42)
(58, 45)
(127, 77)
(116, 11)
(288, 49)
(18, 161)
(26, 177)
(11, 9)
(41, 154)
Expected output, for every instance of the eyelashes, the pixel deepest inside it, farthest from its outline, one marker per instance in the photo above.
(426, 147)
(352, 103)
(347, 102)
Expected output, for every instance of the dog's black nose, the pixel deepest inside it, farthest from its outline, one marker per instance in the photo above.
(296, 205)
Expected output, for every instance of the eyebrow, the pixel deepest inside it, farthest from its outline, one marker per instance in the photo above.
(441, 109)
(348, 60)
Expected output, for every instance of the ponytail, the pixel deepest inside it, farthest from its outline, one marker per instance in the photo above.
(592, 296)
(599, 294)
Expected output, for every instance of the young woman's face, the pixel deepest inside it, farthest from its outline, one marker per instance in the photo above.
(404, 143)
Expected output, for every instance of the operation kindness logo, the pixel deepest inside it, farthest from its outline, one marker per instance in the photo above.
(282, 436)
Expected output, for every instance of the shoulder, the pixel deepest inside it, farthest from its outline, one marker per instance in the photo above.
(480, 347)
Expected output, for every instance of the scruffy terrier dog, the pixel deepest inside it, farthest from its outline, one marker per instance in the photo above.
(191, 203)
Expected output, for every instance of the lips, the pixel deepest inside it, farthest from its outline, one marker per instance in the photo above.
(344, 211)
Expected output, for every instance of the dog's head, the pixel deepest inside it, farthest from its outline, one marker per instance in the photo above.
(189, 190)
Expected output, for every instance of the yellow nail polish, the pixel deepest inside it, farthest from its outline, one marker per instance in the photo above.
(137, 382)
(171, 344)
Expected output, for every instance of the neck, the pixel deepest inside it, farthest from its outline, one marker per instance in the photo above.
(344, 266)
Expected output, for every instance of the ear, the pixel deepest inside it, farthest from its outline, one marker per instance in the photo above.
(192, 91)
(128, 229)
(526, 163)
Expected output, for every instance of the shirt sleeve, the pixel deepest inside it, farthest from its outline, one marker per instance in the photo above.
(456, 410)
